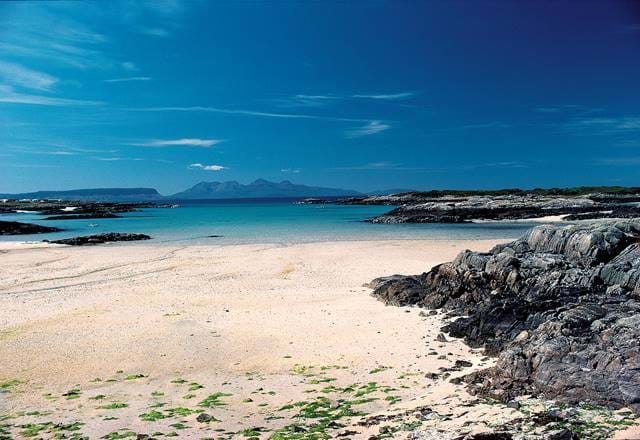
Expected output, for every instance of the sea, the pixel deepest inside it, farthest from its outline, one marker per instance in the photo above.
(281, 221)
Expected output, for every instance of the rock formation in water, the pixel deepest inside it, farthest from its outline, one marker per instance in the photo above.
(19, 228)
(100, 239)
(559, 307)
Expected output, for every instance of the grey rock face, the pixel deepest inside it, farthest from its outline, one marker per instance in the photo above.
(560, 307)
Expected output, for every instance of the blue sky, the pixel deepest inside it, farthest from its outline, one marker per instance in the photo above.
(364, 95)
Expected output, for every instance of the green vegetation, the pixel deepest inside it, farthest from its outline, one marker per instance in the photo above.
(8, 385)
(134, 376)
(213, 400)
(114, 405)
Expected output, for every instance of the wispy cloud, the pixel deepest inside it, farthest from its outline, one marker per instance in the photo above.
(387, 96)
(132, 78)
(47, 31)
(370, 128)
(116, 159)
(566, 109)
(302, 100)
(129, 65)
(185, 142)
(155, 18)
(199, 166)
(603, 125)
(242, 112)
(321, 100)
(290, 170)
(9, 96)
(19, 75)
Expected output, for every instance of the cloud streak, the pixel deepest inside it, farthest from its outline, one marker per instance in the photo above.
(184, 142)
(373, 127)
(18, 75)
(199, 166)
(603, 125)
(386, 96)
(9, 96)
(133, 78)
(242, 112)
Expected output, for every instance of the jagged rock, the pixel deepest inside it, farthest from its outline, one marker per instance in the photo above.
(100, 239)
(399, 290)
(18, 228)
(559, 307)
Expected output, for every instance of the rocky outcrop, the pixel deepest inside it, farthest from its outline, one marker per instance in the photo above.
(77, 207)
(100, 239)
(559, 307)
(82, 216)
(18, 228)
(466, 210)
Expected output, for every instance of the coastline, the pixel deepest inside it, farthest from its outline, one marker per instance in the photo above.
(270, 325)
(228, 341)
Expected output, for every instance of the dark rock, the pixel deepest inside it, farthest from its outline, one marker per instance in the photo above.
(82, 216)
(205, 418)
(463, 364)
(565, 434)
(100, 239)
(398, 290)
(18, 228)
(514, 404)
(560, 307)
(441, 338)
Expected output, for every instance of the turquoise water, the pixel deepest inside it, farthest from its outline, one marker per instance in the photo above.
(263, 222)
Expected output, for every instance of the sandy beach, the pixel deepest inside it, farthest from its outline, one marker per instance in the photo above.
(135, 338)
(227, 341)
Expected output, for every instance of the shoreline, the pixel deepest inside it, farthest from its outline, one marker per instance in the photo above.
(270, 325)
(191, 340)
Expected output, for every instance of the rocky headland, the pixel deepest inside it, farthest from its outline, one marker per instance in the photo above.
(502, 205)
(559, 307)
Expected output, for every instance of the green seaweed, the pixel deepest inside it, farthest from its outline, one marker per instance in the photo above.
(114, 405)
(213, 400)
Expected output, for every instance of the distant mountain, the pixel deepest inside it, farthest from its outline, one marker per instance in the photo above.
(96, 194)
(258, 189)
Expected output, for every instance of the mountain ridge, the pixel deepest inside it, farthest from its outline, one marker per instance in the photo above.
(259, 188)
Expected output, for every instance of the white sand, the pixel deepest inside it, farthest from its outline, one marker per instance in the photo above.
(273, 324)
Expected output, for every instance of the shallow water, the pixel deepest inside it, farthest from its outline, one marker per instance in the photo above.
(268, 221)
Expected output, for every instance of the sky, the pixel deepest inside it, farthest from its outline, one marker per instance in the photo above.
(366, 95)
